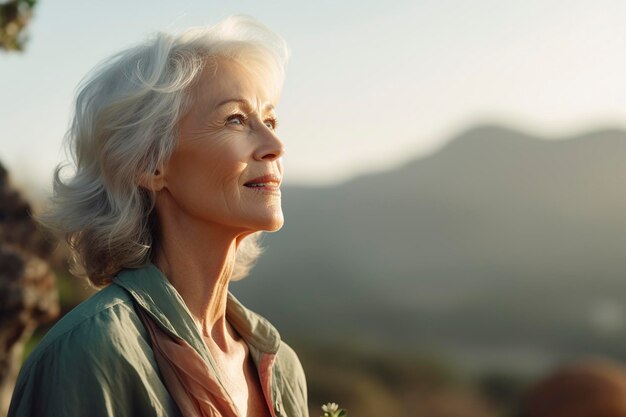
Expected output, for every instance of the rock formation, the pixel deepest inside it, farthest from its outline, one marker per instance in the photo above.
(28, 294)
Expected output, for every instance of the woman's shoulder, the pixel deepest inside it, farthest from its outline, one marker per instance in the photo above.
(100, 318)
(97, 352)
(101, 335)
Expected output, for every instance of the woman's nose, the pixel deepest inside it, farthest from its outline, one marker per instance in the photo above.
(270, 146)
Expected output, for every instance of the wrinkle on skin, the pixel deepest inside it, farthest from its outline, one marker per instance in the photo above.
(204, 210)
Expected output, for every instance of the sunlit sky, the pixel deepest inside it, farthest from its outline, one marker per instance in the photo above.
(370, 84)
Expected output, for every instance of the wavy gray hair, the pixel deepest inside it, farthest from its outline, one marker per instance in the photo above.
(124, 123)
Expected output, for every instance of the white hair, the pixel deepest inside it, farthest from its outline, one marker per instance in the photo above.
(124, 123)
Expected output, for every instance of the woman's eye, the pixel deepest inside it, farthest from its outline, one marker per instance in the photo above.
(236, 119)
(271, 123)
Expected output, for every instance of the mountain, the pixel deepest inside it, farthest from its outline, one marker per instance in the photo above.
(501, 244)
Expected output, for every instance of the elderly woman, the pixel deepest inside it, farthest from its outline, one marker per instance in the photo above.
(178, 169)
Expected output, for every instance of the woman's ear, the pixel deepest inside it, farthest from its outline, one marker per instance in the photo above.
(152, 181)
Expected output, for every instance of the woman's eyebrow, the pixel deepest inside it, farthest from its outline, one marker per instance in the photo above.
(245, 103)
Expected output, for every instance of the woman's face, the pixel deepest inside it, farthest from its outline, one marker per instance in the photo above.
(226, 140)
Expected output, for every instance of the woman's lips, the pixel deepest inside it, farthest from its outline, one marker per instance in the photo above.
(266, 186)
(269, 180)
(265, 189)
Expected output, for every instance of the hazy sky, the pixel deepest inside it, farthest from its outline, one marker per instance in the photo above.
(369, 84)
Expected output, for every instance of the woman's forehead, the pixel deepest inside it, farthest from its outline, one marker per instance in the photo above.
(230, 83)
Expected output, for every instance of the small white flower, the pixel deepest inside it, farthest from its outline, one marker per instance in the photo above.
(330, 407)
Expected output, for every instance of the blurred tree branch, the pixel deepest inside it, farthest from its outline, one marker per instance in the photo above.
(14, 17)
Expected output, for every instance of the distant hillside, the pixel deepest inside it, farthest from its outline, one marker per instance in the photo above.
(497, 241)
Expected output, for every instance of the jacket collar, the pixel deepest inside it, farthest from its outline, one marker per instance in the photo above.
(153, 292)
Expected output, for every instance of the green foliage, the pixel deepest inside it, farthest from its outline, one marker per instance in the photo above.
(14, 17)
(32, 343)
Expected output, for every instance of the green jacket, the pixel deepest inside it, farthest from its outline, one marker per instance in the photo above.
(97, 360)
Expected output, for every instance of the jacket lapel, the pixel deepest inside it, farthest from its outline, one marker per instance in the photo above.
(154, 294)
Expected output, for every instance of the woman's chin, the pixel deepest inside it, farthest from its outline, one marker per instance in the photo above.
(275, 225)
(271, 224)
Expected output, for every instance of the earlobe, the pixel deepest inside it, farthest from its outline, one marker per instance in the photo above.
(153, 182)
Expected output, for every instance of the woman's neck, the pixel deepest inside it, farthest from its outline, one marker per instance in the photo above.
(198, 259)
